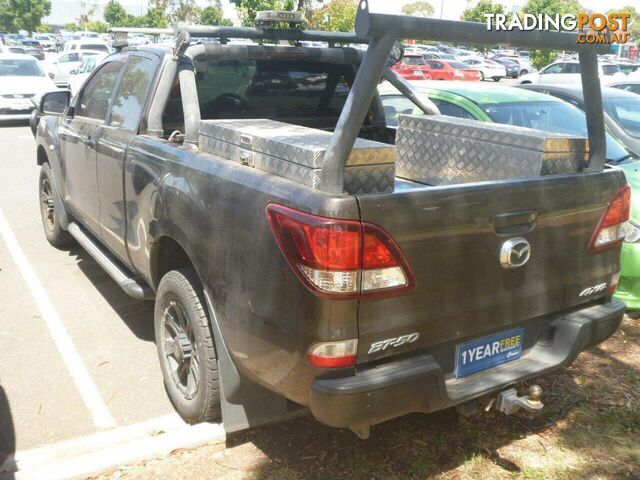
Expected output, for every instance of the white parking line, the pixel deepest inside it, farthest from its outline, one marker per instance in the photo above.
(102, 417)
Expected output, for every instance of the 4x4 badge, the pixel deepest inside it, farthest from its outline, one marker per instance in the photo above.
(515, 253)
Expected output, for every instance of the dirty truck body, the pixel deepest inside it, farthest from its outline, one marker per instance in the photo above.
(294, 323)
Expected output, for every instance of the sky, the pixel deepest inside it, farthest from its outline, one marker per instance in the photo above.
(64, 11)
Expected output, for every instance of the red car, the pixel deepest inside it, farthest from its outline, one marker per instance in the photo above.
(413, 67)
(452, 70)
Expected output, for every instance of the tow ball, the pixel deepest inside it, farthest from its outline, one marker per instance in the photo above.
(509, 402)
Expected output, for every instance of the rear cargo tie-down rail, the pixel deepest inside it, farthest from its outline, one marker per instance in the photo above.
(384, 29)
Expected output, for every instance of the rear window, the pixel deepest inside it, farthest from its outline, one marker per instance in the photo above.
(275, 89)
(413, 61)
(301, 92)
(610, 69)
(94, 46)
(20, 68)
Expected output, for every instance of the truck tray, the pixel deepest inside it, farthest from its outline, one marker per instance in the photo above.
(440, 150)
(297, 152)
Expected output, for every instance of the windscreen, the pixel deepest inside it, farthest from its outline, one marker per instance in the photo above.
(558, 117)
(458, 65)
(626, 112)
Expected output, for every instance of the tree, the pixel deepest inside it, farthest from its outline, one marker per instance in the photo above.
(184, 11)
(477, 13)
(44, 28)
(95, 26)
(71, 27)
(23, 14)
(337, 15)
(247, 9)
(115, 14)
(155, 18)
(541, 58)
(212, 15)
(419, 8)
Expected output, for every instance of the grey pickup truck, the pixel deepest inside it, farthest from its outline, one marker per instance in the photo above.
(303, 255)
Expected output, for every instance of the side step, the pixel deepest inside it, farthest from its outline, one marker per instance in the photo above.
(129, 284)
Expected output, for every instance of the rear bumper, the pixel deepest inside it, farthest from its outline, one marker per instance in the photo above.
(417, 383)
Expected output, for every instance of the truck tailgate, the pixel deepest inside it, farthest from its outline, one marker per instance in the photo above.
(452, 237)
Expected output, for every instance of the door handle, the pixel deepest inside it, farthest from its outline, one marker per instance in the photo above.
(89, 143)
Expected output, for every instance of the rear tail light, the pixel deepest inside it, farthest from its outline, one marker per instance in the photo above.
(610, 229)
(340, 259)
(333, 354)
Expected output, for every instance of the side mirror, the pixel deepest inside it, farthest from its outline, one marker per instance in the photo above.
(55, 103)
(52, 75)
(73, 72)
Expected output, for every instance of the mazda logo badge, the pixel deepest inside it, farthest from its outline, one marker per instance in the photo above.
(515, 253)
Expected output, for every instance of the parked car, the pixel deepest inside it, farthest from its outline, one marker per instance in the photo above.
(413, 67)
(22, 83)
(94, 45)
(77, 77)
(488, 68)
(65, 63)
(33, 48)
(524, 65)
(452, 70)
(360, 300)
(628, 85)
(13, 49)
(47, 41)
(569, 72)
(513, 68)
(621, 108)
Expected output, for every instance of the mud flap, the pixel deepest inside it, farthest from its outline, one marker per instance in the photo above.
(244, 403)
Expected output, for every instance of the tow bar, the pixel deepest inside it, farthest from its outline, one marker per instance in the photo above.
(509, 402)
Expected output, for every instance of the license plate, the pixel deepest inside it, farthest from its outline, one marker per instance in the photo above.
(483, 353)
(417, 72)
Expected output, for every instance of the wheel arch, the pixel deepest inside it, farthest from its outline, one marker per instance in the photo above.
(41, 155)
(168, 254)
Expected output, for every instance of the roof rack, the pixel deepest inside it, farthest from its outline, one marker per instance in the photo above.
(384, 30)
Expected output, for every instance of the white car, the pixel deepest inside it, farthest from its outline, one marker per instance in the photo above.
(95, 45)
(569, 72)
(78, 76)
(47, 42)
(65, 63)
(22, 83)
(488, 68)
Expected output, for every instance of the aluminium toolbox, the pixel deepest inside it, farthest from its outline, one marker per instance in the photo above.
(297, 152)
(440, 150)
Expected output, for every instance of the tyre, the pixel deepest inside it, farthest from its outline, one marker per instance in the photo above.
(481, 76)
(186, 347)
(496, 79)
(524, 72)
(525, 82)
(56, 236)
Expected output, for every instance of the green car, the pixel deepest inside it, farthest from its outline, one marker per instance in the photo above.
(531, 109)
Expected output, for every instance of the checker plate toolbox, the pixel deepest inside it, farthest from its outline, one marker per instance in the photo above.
(440, 150)
(297, 152)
